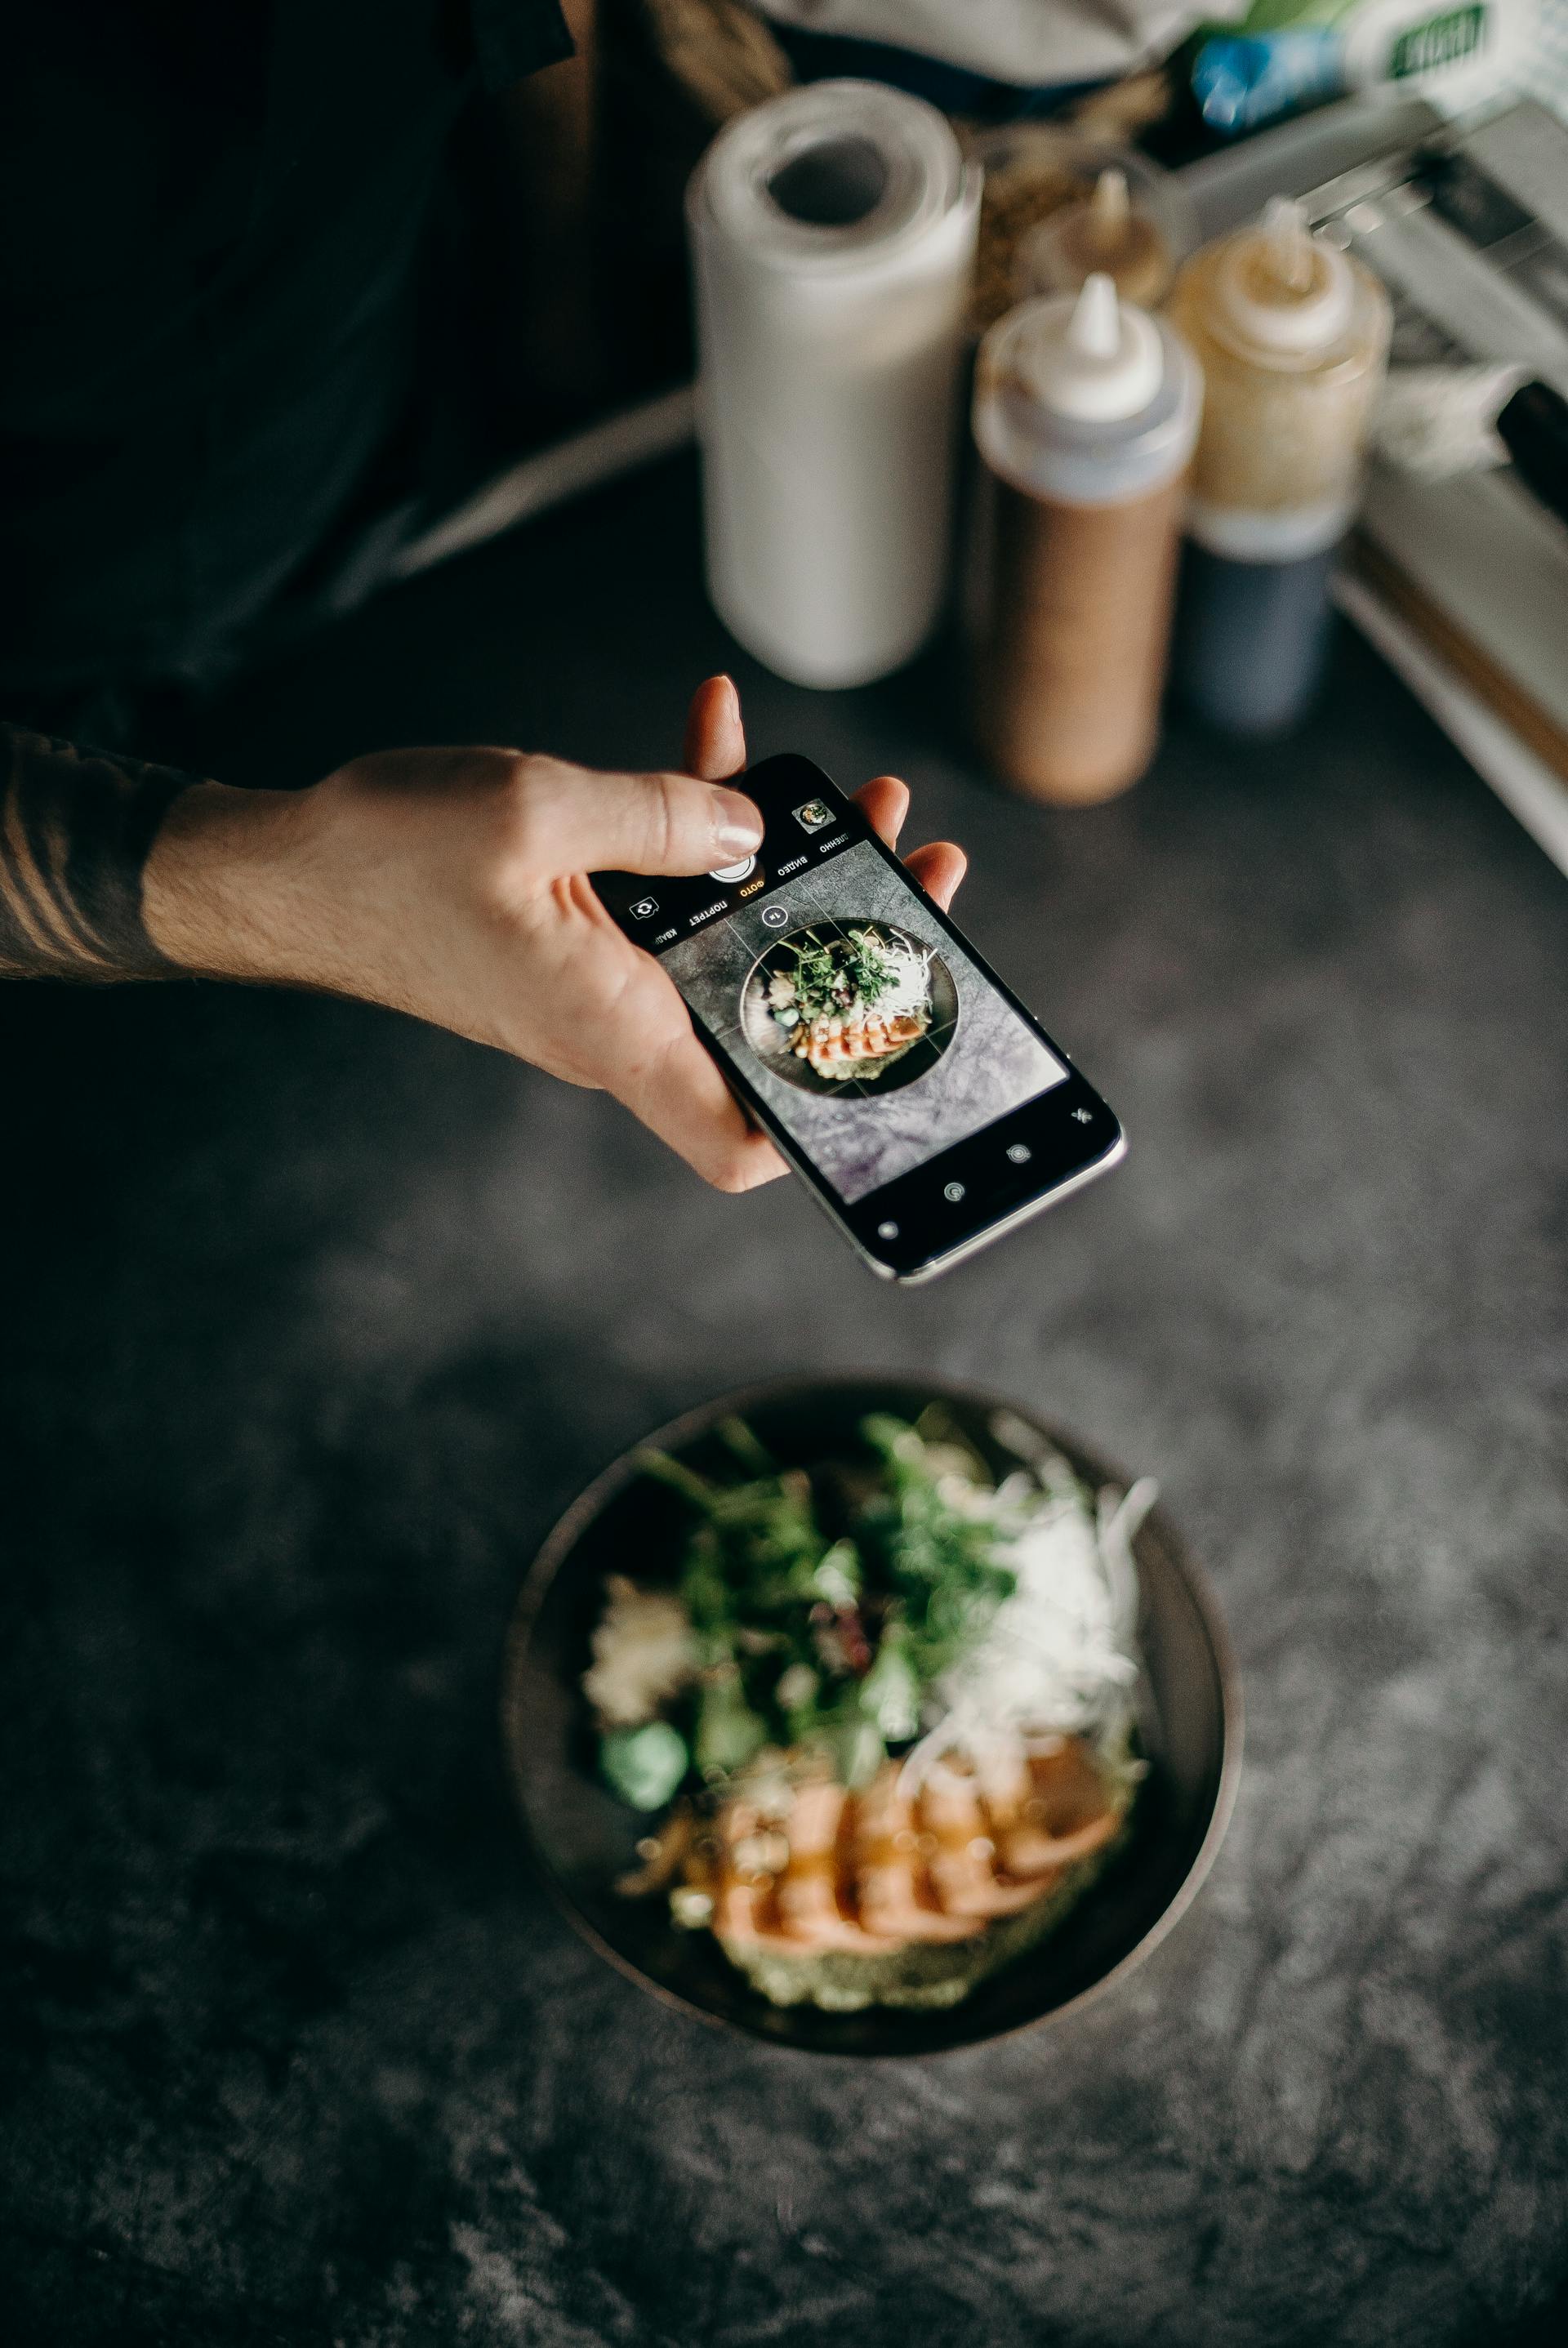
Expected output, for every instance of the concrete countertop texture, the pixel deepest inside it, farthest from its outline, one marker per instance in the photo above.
(315, 1319)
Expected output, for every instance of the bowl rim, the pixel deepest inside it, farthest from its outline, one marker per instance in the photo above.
(687, 1427)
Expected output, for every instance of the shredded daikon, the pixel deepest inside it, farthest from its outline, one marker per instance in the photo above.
(1060, 1655)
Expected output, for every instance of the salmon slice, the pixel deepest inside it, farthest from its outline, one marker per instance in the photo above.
(893, 1884)
(744, 1909)
(809, 1910)
(1002, 1774)
(963, 1862)
(1064, 1815)
(831, 1043)
(872, 1872)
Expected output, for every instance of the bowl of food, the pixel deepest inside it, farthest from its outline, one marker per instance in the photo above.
(846, 1002)
(870, 1716)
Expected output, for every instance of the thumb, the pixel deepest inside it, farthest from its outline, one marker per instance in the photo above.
(644, 823)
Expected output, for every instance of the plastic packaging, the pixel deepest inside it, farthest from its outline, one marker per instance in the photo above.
(1030, 45)
(1293, 338)
(1086, 413)
(1290, 54)
(832, 235)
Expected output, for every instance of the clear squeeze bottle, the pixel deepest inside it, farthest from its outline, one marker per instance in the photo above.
(1292, 339)
(1131, 234)
(1086, 412)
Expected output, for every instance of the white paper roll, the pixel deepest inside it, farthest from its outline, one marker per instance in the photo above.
(833, 240)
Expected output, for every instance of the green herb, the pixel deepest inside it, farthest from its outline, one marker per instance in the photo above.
(890, 1691)
(941, 1563)
(729, 1733)
(820, 1633)
(645, 1766)
(829, 976)
(868, 966)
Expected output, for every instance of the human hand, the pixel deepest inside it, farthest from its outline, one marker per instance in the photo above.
(716, 750)
(452, 884)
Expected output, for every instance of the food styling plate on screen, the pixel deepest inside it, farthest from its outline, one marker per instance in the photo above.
(815, 980)
(1171, 1719)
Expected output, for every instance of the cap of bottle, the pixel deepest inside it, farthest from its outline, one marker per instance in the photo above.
(1282, 291)
(1084, 398)
(1090, 356)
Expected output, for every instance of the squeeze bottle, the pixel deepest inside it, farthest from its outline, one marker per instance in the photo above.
(1292, 339)
(1114, 228)
(1086, 411)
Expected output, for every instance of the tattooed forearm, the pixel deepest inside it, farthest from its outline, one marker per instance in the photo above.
(76, 830)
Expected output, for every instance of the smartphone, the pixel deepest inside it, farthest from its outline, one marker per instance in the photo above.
(927, 1109)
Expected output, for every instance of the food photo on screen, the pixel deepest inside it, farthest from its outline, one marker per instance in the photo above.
(869, 1033)
(849, 1005)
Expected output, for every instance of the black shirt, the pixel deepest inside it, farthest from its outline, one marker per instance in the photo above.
(210, 219)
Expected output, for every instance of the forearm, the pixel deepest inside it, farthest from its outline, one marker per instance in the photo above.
(76, 828)
(447, 883)
(226, 891)
(112, 869)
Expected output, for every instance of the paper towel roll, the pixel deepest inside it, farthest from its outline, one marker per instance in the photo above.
(833, 240)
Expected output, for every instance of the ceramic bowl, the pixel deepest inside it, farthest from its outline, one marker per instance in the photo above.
(581, 1836)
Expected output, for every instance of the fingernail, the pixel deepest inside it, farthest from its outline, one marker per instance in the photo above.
(737, 826)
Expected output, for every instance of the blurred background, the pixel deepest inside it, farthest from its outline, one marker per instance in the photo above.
(1428, 143)
(1140, 430)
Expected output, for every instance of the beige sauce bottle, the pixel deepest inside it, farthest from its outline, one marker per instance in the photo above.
(1086, 412)
(1292, 336)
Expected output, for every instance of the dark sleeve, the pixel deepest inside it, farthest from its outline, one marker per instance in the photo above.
(513, 38)
(76, 830)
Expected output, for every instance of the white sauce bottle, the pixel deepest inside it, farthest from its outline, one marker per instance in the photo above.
(1086, 410)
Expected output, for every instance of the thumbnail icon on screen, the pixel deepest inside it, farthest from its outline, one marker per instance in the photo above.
(815, 815)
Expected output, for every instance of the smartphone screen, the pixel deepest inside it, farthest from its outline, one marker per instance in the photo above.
(925, 1105)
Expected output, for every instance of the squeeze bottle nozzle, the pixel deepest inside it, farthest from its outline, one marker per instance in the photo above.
(1284, 291)
(1092, 356)
(1110, 208)
(1094, 330)
(1288, 239)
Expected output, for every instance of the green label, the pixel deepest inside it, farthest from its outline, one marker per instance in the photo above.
(1440, 41)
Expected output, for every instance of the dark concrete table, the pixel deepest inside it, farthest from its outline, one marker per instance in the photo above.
(314, 1319)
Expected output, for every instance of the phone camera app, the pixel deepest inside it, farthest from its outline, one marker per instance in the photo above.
(815, 815)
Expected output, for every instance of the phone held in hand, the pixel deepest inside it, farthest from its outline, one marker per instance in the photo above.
(927, 1109)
